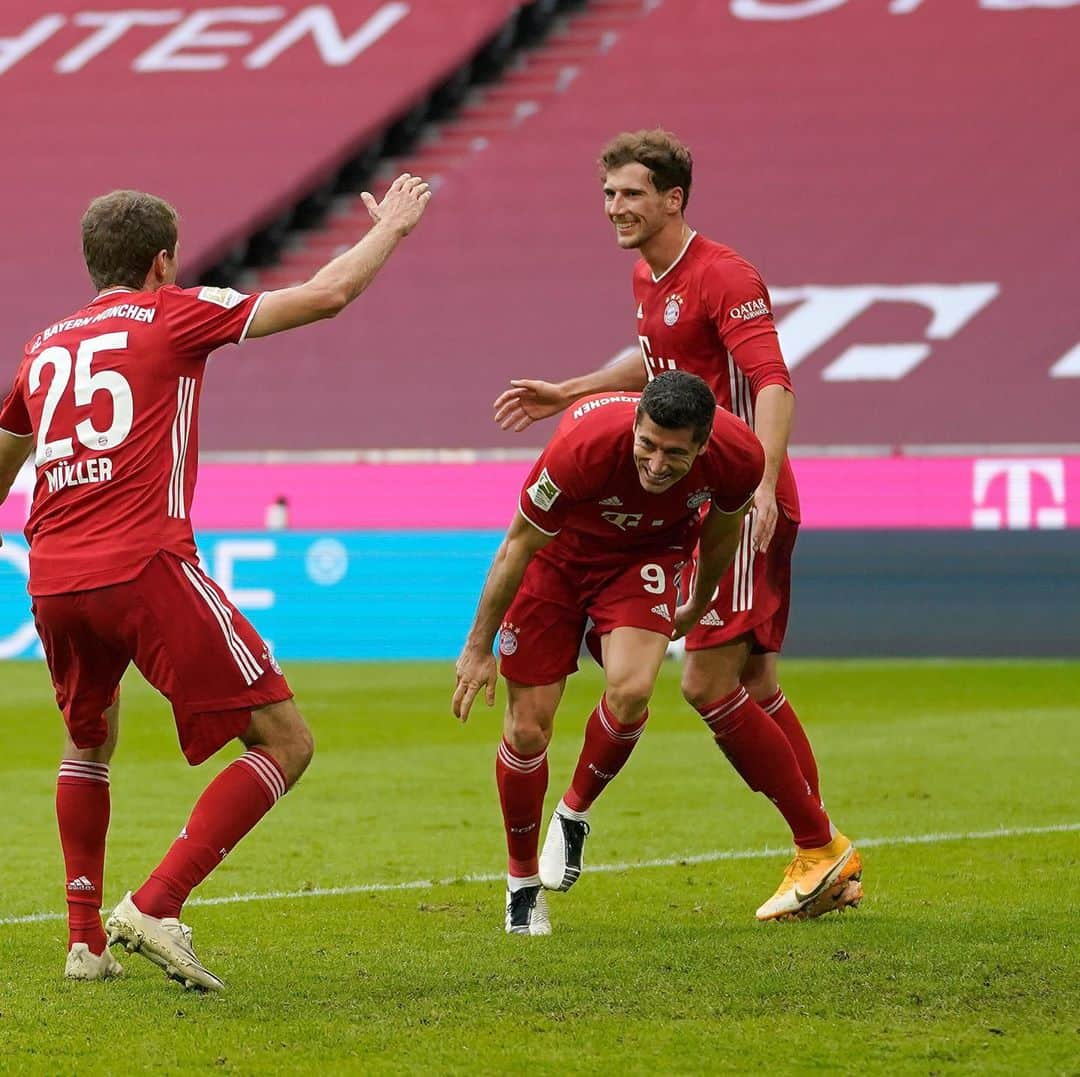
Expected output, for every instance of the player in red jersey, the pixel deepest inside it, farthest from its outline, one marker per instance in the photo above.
(607, 518)
(701, 307)
(107, 400)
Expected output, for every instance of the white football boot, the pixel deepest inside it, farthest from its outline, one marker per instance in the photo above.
(527, 911)
(165, 942)
(561, 857)
(84, 965)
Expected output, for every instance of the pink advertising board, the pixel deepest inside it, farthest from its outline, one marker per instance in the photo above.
(959, 493)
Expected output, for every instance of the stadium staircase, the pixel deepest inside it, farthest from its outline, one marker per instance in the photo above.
(537, 57)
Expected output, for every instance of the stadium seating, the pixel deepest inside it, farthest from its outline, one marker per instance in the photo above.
(233, 113)
(892, 178)
(906, 257)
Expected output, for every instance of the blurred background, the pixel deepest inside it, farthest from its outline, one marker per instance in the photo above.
(903, 172)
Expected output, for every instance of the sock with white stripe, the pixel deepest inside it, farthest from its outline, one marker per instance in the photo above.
(514, 883)
(607, 747)
(783, 714)
(82, 814)
(757, 748)
(229, 807)
(522, 780)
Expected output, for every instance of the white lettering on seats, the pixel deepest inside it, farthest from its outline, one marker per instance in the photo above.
(168, 54)
(13, 49)
(825, 310)
(112, 25)
(771, 11)
(319, 21)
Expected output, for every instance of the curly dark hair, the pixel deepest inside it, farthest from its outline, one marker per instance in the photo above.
(669, 162)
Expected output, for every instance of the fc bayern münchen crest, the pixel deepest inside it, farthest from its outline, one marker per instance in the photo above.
(671, 311)
(508, 641)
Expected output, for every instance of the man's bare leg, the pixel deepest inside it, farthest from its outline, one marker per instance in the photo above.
(632, 659)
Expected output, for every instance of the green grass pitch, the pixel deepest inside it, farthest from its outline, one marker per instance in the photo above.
(962, 958)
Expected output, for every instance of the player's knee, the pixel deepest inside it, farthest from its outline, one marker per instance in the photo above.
(761, 686)
(526, 731)
(628, 699)
(295, 749)
(527, 737)
(303, 747)
(281, 730)
(699, 690)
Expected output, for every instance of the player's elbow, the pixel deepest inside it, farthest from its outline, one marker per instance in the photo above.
(327, 300)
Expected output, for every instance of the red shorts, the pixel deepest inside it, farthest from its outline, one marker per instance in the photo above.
(754, 597)
(540, 638)
(185, 637)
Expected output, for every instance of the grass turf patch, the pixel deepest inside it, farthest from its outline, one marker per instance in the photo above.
(958, 960)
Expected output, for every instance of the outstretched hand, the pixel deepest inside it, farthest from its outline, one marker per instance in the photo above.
(526, 402)
(473, 672)
(403, 204)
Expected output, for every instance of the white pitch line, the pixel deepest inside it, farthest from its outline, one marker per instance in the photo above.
(633, 865)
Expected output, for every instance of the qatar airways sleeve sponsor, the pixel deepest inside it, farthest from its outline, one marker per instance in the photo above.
(750, 309)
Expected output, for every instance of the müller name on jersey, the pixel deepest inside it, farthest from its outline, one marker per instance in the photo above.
(81, 474)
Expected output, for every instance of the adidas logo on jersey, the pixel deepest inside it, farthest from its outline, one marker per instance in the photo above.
(662, 611)
(712, 618)
(82, 884)
(611, 501)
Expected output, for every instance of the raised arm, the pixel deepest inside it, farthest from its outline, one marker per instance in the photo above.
(527, 401)
(476, 667)
(719, 540)
(341, 280)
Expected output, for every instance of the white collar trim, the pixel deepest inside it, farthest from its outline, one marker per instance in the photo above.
(656, 279)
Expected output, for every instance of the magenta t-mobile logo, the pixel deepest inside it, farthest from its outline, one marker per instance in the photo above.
(1018, 494)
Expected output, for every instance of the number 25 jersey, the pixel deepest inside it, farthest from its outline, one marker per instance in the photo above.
(110, 396)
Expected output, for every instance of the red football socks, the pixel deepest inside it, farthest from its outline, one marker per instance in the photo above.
(783, 714)
(229, 807)
(82, 813)
(760, 752)
(522, 781)
(606, 749)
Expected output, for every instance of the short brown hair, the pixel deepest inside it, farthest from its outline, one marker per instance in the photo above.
(122, 232)
(667, 159)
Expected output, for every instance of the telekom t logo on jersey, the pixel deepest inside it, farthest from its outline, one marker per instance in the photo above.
(1005, 492)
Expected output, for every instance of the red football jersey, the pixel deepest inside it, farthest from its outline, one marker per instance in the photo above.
(585, 488)
(693, 317)
(111, 398)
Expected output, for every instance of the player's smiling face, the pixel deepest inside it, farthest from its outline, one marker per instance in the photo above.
(635, 207)
(663, 456)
